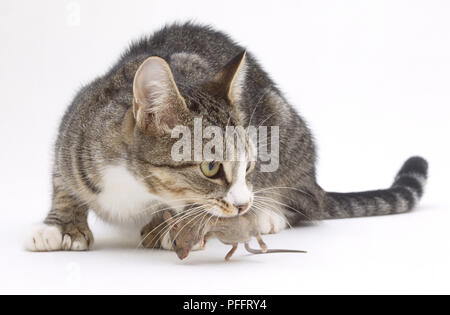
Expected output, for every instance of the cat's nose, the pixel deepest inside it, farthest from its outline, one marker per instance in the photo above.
(241, 208)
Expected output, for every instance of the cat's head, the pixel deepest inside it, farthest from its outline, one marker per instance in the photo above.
(221, 187)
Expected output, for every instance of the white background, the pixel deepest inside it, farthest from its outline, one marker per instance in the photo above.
(371, 77)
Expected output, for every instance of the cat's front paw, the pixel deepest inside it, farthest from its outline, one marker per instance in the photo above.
(47, 238)
(271, 221)
(77, 239)
(44, 238)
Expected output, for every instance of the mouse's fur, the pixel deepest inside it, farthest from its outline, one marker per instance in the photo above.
(188, 233)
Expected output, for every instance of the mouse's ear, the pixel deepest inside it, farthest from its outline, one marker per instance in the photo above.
(167, 216)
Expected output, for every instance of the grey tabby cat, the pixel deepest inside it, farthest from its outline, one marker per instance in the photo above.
(113, 152)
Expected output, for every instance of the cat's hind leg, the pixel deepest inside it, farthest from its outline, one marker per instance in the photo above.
(65, 227)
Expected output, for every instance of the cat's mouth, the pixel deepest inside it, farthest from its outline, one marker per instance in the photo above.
(222, 208)
(216, 207)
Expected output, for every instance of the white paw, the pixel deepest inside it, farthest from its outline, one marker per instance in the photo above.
(270, 222)
(44, 238)
(74, 244)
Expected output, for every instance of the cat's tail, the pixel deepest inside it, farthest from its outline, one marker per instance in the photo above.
(402, 196)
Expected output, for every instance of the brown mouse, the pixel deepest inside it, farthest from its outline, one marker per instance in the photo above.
(181, 231)
(230, 231)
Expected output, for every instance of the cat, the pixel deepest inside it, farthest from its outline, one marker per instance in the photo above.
(113, 151)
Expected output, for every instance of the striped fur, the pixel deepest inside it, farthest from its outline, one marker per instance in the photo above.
(402, 196)
(100, 132)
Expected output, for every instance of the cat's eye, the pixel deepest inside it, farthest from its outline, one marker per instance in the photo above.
(210, 169)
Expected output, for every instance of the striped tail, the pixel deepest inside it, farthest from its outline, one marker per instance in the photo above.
(404, 194)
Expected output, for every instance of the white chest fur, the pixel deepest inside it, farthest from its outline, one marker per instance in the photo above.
(124, 198)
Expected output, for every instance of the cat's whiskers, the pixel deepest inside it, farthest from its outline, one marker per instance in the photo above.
(186, 224)
(273, 210)
(170, 225)
(181, 215)
(201, 221)
(149, 233)
(267, 199)
(164, 222)
(185, 215)
(207, 222)
(159, 210)
(254, 214)
(282, 187)
(217, 220)
(278, 194)
(198, 199)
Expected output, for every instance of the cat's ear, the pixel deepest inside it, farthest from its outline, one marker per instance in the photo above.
(157, 101)
(229, 81)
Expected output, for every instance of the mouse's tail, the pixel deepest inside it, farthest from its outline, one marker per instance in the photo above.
(402, 196)
(251, 250)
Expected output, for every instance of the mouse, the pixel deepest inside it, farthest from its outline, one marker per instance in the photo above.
(230, 231)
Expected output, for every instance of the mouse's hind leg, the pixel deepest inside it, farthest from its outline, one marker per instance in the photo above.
(262, 244)
(231, 252)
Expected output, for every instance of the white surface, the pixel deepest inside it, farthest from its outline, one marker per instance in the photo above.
(372, 78)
